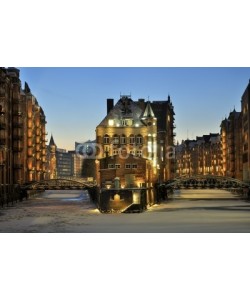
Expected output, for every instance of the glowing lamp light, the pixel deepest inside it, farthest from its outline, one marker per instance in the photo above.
(117, 197)
(111, 122)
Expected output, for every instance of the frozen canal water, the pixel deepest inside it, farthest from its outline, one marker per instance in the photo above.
(72, 211)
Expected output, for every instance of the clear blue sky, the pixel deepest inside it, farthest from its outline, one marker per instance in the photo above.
(74, 99)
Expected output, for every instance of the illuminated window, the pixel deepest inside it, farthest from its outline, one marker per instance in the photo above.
(111, 122)
(139, 139)
(127, 122)
(139, 153)
(115, 152)
(116, 139)
(106, 139)
(132, 139)
(123, 139)
(106, 149)
(111, 166)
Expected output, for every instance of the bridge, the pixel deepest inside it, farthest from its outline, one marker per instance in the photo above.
(58, 184)
(202, 182)
(205, 182)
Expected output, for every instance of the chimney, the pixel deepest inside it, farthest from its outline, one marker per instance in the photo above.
(141, 103)
(110, 105)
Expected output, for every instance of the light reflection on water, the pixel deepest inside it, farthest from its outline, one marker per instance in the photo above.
(65, 195)
(203, 193)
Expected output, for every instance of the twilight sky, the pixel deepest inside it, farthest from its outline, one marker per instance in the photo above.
(74, 99)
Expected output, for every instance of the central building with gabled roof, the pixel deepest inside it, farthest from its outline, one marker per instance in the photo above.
(136, 130)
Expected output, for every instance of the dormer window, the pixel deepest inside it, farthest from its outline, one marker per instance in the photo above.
(124, 123)
(127, 122)
(111, 122)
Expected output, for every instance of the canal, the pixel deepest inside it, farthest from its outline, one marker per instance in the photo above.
(185, 211)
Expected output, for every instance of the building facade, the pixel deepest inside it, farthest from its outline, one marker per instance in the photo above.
(142, 129)
(22, 132)
(51, 159)
(199, 157)
(35, 138)
(64, 163)
(231, 145)
(245, 109)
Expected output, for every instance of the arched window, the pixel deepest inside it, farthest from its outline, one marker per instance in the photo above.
(116, 139)
(132, 139)
(106, 139)
(123, 139)
(139, 139)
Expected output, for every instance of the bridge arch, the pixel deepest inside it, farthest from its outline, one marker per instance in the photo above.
(58, 184)
(206, 181)
(202, 182)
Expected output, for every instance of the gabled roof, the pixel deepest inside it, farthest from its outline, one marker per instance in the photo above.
(148, 113)
(124, 108)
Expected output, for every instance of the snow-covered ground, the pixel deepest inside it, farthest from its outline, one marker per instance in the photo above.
(72, 211)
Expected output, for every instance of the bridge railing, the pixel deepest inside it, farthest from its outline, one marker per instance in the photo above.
(205, 182)
(59, 183)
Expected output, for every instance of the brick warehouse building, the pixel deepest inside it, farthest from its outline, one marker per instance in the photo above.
(133, 143)
(199, 157)
(142, 129)
(231, 145)
(22, 132)
(245, 109)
